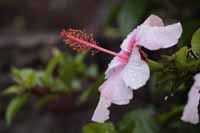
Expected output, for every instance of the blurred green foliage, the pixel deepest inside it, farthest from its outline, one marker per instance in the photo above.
(131, 14)
(138, 121)
(63, 75)
(127, 14)
(99, 128)
(15, 105)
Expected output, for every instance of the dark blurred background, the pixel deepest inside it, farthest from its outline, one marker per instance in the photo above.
(29, 29)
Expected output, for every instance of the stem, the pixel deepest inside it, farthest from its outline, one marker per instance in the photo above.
(97, 47)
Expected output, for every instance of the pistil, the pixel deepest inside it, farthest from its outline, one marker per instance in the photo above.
(78, 42)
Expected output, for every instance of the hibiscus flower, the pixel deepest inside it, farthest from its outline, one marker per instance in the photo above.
(125, 75)
(128, 70)
(190, 113)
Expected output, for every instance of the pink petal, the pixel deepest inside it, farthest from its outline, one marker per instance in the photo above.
(154, 20)
(128, 43)
(115, 89)
(102, 113)
(154, 38)
(197, 77)
(190, 113)
(115, 64)
(136, 73)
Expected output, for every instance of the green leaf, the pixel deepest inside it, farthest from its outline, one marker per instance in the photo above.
(79, 62)
(58, 86)
(181, 56)
(14, 106)
(13, 90)
(25, 77)
(131, 14)
(80, 57)
(67, 69)
(190, 26)
(193, 65)
(164, 117)
(138, 121)
(99, 128)
(51, 66)
(196, 42)
(162, 83)
(155, 66)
